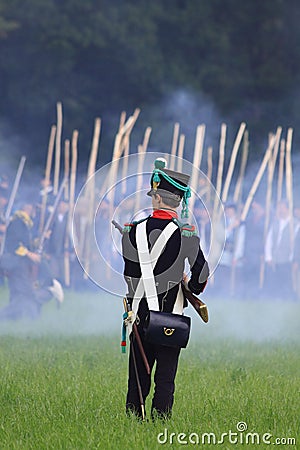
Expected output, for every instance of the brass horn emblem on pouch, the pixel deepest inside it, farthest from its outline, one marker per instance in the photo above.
(169, 331)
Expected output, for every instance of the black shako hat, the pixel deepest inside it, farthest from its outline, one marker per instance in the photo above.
(169, 182)
(166, 181)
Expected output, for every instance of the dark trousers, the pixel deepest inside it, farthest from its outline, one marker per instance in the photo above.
(166, 359)
(25, 301)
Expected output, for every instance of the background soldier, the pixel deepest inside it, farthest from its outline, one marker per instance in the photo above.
(56, 242)
(204, 226)
(3, 203)
(254, 250)
(228, 273)
(21, 266)
(168, 188)
(278, 255)
(296, 252)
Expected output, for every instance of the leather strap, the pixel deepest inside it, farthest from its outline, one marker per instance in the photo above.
(148, 262)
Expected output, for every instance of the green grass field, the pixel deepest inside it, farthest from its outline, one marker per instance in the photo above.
(63, 380)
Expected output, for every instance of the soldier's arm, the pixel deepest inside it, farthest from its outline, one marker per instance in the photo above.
(239, 247)
(199, 266)
(132, 271)
(296, 254)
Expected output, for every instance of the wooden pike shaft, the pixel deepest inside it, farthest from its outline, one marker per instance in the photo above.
(289, 184)
(73, 168)
(257, 180)
(47, 176)
(126, 154)
(288, 166)
(15, 188)
(50, 153)
(90, 193)
(125, 168)
(280, 169)
(267, 215)
(271, 170)
(174, 146)
(125, 132)
(128, 126)
(122, 120)
(67, 168)
(198, 150)
(276, 147)
(289, 190)
(95, 148)
(180, 152)
(209, 163)
(220, 168)
(57, 147)
(239, 184)
(232, 161)
(209, 174)
(139, 181)
(146, 138)
(112, 175)
(141, 158)
(121, 137)
(12, 200)
(71, 205)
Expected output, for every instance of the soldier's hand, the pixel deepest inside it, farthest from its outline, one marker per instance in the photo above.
(130, 318)
(185, 280)
(34, 257)
(48, 234)
(21, 251)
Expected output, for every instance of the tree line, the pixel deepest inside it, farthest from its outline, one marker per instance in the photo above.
(102, 56)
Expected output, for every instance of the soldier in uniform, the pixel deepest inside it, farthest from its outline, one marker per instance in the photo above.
(204, 226)
(254, 250)
(21, 265)
(56, 242)
(296, 252)
(168, 189)
(228, 274)
(279, 254)
(3, 203)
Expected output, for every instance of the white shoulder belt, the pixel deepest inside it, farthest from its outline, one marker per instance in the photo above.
(146, 286)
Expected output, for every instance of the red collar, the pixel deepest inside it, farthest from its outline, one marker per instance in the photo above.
(164, 214)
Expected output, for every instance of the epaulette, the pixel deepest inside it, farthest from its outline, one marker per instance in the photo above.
(21, 250)
(186, 229)
(127, 226)
(24, 217)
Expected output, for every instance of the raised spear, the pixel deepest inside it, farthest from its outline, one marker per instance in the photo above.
(12, 199)
(174, 146)
(57, 147)
(180, 152)
(232, 161)
(47, 176)
(71, 206)
(257, 179)
(198, 151)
